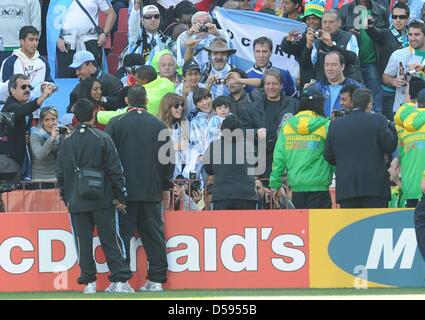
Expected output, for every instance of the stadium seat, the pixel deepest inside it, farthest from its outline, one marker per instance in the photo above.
(113, 62)
(120, 41)
(123, 20)
(102, 20)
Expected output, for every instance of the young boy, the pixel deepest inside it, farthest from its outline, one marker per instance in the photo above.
(221, 106)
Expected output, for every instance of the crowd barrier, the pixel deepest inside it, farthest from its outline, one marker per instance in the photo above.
(230, 249)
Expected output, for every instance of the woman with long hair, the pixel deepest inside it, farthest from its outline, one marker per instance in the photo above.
(172, 110)
(91, 89)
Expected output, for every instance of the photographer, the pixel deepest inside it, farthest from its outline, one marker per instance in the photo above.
(181, 200)
(200, 35)
(12, 142)
(45, 140)
(331, 38)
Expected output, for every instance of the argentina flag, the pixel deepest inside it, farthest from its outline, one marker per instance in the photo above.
(244, 27)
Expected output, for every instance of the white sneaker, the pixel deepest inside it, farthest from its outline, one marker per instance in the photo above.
(119, 287)
(152, 286)
(90, 288)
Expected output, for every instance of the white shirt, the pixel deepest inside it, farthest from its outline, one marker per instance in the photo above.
(77, 20)
(406, 56)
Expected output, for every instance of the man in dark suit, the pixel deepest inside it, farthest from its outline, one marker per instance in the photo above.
(356, 144)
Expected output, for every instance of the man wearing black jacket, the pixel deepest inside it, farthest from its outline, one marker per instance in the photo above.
(356, 144)
(90, 148)
(85, 67)
(137, 137)
(12, 142)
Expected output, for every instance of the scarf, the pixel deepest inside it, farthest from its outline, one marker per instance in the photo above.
(402, 38)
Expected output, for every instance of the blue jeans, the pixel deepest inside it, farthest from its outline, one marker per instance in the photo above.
(372, 81)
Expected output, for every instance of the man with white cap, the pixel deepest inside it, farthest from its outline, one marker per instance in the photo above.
(144, 36)
(85, 66)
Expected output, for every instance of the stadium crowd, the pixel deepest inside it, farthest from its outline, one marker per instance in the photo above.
(260, 138)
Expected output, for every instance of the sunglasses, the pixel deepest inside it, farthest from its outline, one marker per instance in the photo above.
(45, 109)
(178, 105)
(27, 86)
(155, 16)
(399, 17)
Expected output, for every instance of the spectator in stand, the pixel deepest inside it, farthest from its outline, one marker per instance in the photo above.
(144, 36)
(334, 81)
(356, 144)
(345, 97)
(263, 49)
(191, 77)
(179, 193)
(239, 97)
(410, 58)
(85, 66)
(79, 33)
(367, 47)
(387, 41)
(45, 140)
(221, 106)
(183, 12)
(91, 89)
(127, 73)
(234, 184)
(13, 144)
(291, 9)
(27, 61)
(268, 113)
(331, 38)
(218, 68)
(295, 43)
(299, 152)
(198, 131)
(15, 15)
(164, 63)
(172, 113)
(199, 36)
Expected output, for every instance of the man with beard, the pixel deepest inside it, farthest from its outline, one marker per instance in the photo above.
(405, 60)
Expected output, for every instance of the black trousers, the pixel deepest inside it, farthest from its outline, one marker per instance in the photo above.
(312, 200)
(147, 219)
(364, 202)
(234, 205)
(106, 221)
(65, 59)
(419, 218)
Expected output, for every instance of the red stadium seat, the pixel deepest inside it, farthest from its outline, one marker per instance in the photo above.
(113, 63)
(123, 20)
(120, 41)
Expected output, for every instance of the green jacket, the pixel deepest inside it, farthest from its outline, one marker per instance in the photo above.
(299, 151)
(411, 134)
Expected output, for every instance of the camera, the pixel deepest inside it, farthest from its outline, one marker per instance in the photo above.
(195, 184)
(203, 29)
(339, 113)
(317, 34)
(63, 130)
(220, 81)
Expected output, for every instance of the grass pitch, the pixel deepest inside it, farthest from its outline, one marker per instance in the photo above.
(269, 294)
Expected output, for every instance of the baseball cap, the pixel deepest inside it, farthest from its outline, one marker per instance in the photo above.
(150, 9)
(81, 57)
(312, 92)
(190, 65)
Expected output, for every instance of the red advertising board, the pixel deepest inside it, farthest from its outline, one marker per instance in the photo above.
(207, 249)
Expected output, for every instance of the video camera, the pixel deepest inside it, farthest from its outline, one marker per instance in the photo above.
(195, 185)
